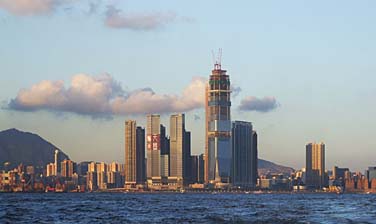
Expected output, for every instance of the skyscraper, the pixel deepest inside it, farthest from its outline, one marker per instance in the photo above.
(201, 169)
(218, 127)
(140, 156)
(153, 146)
(101, 175)
(371, 173)
(254, 161)
(244, 153)
(134, 153)
(177, 132)
(188, 170)
(67, 168)
(165, 167)
(194, 169)
(56, 162)
(165, 142)
(92, 177)
(315, 165)
(50, 169)
(165, 153)
(130, 152)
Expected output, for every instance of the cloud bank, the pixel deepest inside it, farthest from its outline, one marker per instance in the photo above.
(104, 96)
(251, 103)
(31, 7)
(115, 18)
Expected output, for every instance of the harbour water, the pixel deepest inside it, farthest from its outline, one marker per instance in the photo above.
(186, 208)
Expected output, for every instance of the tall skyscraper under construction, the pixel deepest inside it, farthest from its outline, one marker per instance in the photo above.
(218, 127)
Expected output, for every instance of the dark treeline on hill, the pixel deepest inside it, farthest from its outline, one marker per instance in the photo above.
(29, 149)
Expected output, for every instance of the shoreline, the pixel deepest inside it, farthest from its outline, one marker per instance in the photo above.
(190, 192)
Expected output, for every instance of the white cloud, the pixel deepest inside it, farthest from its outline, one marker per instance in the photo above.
(31, 7)
(251, 103)
(103, 96)
(115, 18)
(147, 101)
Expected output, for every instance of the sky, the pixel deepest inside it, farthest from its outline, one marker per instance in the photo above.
(73, 71)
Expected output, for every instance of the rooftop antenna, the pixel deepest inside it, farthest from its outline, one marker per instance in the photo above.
(217, 60)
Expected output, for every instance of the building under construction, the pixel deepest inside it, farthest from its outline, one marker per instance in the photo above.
(218, 127)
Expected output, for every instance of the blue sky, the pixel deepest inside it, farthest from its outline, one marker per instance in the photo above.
(315, 58)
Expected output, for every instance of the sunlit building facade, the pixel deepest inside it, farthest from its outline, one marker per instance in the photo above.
(315, 165)
(67, 168)
(177, 131)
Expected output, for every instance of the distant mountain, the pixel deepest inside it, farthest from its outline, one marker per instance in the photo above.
(30, 149)
(265, 167)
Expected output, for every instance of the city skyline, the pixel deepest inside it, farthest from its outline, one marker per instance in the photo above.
(298, 67)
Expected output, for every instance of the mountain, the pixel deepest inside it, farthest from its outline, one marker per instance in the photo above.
(265, 167)
(30, 149)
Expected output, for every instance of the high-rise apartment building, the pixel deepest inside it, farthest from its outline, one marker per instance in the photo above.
(315, 165)
(91, 180)
(92, 167)
(113, 167)
(244, 154)
(153, 146)
(218, 127)
(67, 168)
(101, 175)
(50, 170)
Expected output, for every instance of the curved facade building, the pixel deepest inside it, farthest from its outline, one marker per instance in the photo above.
(218, 127)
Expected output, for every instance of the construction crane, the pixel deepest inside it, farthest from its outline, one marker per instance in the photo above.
(217, 59)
